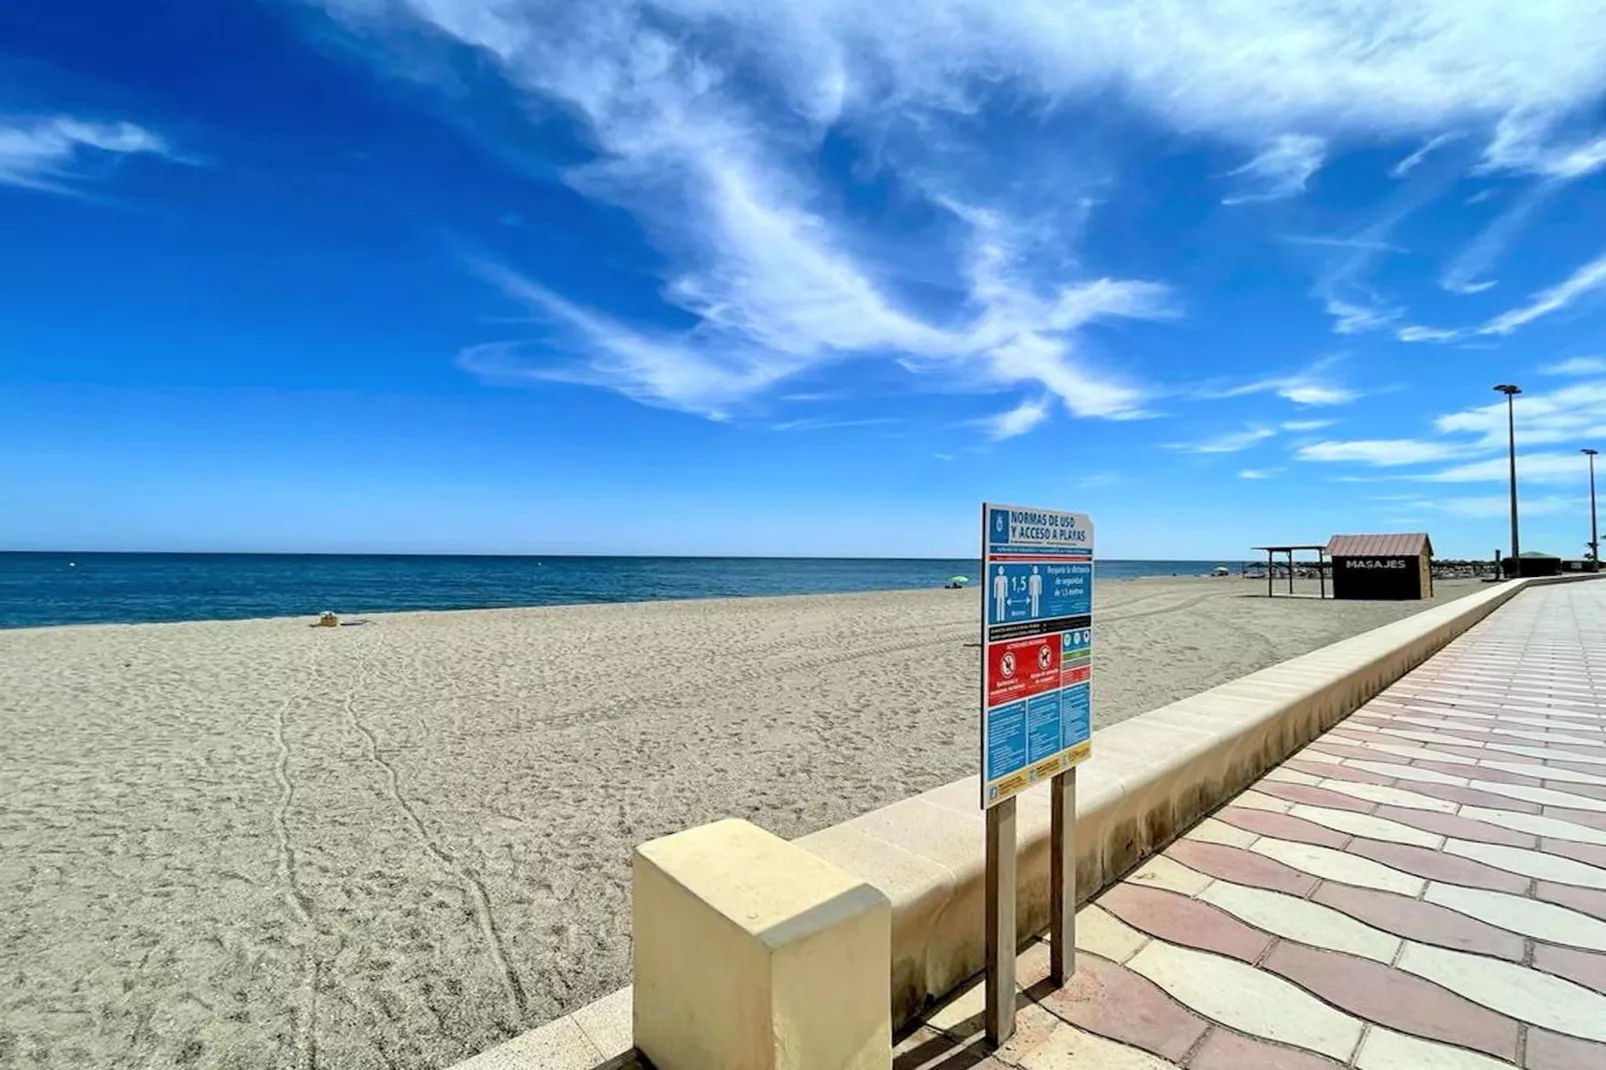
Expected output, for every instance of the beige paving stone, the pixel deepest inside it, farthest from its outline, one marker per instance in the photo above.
(1301, 920)
(1334, 865)
(1211, 830)
(1162, 872)
(1367, 825)
(1102, 933)
(1522, 993)
(1519, 914)
(1247, 999)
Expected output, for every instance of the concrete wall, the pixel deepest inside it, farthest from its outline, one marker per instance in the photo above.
(1148, 780)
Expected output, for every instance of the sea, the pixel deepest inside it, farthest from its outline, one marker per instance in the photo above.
(38, 589)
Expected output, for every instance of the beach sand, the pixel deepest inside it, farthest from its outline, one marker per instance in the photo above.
(260, 844)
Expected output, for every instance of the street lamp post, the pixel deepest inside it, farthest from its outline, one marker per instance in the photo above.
(1511, 390)
(1594, 517)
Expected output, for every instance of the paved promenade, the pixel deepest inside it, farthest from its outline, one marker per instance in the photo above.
(1423, 888)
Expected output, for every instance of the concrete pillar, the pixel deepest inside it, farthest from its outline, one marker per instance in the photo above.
(753, 954)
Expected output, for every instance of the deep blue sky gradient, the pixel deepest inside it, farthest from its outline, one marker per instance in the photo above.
(339, 298)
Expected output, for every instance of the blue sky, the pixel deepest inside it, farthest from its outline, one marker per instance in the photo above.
(795, 276)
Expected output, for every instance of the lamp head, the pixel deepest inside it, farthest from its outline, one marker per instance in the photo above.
(1589, 452)
(1509, 389)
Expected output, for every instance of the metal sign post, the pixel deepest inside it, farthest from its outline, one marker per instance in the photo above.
(1037, 646)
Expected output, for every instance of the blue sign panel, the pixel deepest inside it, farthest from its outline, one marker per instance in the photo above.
(1037, 644)
(1040, 591)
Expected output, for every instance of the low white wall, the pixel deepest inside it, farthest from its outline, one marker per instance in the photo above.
(1149, 779)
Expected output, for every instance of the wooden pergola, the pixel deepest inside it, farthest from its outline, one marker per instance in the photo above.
(1321, 565)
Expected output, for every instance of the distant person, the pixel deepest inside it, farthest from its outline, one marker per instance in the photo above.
(1000, 594)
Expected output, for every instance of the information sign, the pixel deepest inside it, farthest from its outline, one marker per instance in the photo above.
(1037, 644)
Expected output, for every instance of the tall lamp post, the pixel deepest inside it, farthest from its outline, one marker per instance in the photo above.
(1594, 517)
(1511, 390)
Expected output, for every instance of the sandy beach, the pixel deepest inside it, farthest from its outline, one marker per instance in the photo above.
(259, 844)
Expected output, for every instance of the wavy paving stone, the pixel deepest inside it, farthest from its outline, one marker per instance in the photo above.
(1529, 863)
(1248, 1000)
(1372, 826)
(1586, 818)
(1302, 920)
(1191, 922)
(1407, 1004)
(1585, 900)
(1339, 772)
(1116, 1003)
(1587, 968)
(1283, 826)
(1438, 865)
(1520, 914)
(1242, 867)
(1315, 795)
(1340, 866)
(1225, 1050)
(1527, 995)
(1588, 853)
(1423, 921)
(1549, 1051)
(1380, 795)
(1458, 826)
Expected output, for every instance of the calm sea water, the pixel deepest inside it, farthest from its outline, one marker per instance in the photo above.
(39, 589)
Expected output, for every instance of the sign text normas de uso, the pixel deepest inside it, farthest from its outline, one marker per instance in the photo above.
(1037, 644)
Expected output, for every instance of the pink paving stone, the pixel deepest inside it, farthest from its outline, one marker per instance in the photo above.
(1339, 772)
(1394, 998)
(1327, 746)
(1284, 827)
(1592, 854)
(1584, 900)
(1434, 865)
(1479, 772)
(1226, 1050)
(1588, 791)
(1451, 793)
(1241, 867)
(1589, 818)
(1117, 1003)
(1426, 923)
(1551, 1051)
(1463, 828)
(1588, 968)
(1313, 796)
(1185, 921)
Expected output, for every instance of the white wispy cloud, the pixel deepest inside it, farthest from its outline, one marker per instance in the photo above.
(775, 279)
(50, 153)
(1280, 170)
(1465, 271)
(1381, 452)
(1307, 425)
(1260, 473)
(1585, 280)
(1418, 333)
(1314, 385)
(1230, 442)
(1576, 366)
(1526, 139)
(1531, 468)
(1574, 413)
(1017, 421)
(1410, 163)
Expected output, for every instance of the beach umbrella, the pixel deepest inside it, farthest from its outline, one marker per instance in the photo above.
(958, 579)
